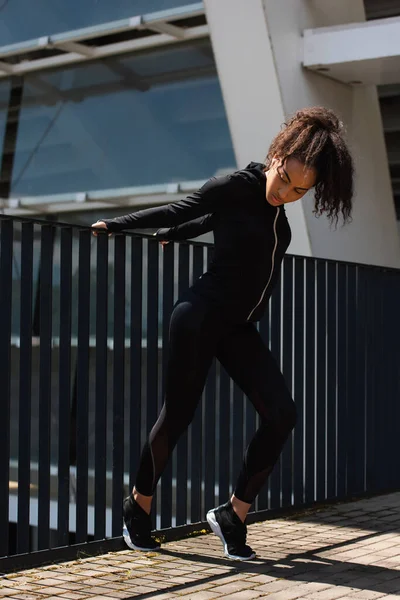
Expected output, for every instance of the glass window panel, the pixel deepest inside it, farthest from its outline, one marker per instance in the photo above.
(22, 20)
(144, 119)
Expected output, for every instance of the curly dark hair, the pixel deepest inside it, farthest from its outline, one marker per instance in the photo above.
(315, 136)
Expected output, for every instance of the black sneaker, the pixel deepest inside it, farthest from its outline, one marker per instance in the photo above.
(229, 528)
(137, 527)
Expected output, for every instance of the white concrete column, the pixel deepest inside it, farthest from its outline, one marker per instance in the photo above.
(250, 88)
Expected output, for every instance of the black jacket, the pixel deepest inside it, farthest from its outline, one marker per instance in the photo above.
(250, 238)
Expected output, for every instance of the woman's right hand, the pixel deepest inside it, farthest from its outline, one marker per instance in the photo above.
(162, 242)
(99, 225)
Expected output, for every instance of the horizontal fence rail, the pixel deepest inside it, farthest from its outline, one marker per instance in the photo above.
(83, 353)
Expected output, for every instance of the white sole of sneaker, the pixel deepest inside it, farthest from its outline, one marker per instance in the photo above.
(217, 530)
(131, 545)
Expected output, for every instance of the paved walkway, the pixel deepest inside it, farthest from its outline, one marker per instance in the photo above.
(349, 551)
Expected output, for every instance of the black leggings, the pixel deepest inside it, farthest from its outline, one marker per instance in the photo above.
(198, 332)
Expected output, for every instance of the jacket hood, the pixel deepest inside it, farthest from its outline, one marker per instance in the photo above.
(253, 173)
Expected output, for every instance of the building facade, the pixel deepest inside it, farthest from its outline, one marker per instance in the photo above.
(110, 107)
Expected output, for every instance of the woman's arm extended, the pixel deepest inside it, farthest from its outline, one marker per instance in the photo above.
(214, 196)
(188, 230)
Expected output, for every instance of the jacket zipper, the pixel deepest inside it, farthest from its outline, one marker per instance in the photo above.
(272, 264)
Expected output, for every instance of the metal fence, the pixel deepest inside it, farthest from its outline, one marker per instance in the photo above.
(83, 348)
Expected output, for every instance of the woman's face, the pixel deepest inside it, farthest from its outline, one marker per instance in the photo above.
(288, 181)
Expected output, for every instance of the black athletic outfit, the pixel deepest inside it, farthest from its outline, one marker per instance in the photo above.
(215, 318)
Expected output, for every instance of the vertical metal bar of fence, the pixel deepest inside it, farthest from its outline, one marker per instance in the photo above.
(276, 303)
(152, 343)
(387, 448)
(383, 416)
(118, 384)
(298, 381)
(386, 416)
(392, 365)
(25, 383)
(394, 352)
(310, 382)
(331, 370)
(384, 387)
(342, 381)
(182, 445)
(359, 419)
(64, 378)
(196, 429)
(168, 302)
(6, 250)
(101, 387)
(370, 379)
(82, 387)
(46, 310)
(320, 358)
(72, 427)
(395, 362)
(380, 448)
(135, 412)
(354, 405)
(287, 365)
(377, 450)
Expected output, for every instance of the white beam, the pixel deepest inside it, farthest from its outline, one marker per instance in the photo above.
(109, 50)
(112, 27)
(82, 49)
(356, 53)
(176, 32)
(354, 41)
(6, 68)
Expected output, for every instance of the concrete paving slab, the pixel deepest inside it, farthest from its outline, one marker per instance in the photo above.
(349, 551)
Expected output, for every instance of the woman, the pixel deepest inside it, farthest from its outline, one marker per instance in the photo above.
(215, 317)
